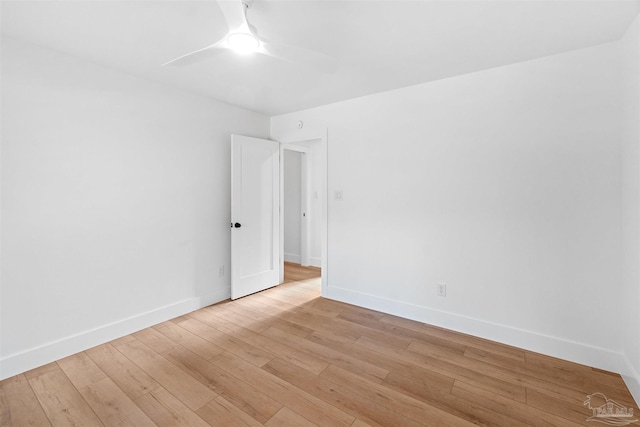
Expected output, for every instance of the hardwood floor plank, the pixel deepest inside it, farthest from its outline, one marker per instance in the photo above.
(353, 404)
(113, 406)
(330, 340)
(179, 335)
(287, 296)
(387, 362)
(314, 409)
(126, 374)
(410, 333)
(386, 330)
(556, 380)
(441, 397)
(573, 412)
(519, 413)
(298, 272)
(575, 375)
(287, 418)
(495, 385)
(344, 308)
(360, 367)
(61, 401)
(382, 395)
(155, 340)
(273, 313)
(507, 372)
(286, 306)
(387, 337)
(502, 372)
(167, 411)
(81, 370)
(19, 405)
(297, 295)
(232, 313)
(467, 340)
(44, 369)
(422, 386)
(309, 306)
(220, 412)
(290, 327)
(320, 323)
(359, 423)
(204, 325)
(282, 305)
(191, 392)
(270, 346)
(242, 394)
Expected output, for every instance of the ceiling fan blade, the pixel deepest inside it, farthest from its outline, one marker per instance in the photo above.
(204, 54)
(234, 13)
(297, 55)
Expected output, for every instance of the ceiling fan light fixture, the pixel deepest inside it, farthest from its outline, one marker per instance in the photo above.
(243, 43)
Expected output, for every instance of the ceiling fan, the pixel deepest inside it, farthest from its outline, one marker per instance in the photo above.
(242, 38)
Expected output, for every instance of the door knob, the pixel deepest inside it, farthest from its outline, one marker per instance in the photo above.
(237, 225)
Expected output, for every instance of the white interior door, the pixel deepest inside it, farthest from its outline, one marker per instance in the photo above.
(255, 215)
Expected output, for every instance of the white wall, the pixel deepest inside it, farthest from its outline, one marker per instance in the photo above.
(292, 205)
(505, 184)
(630, 295)
(115, 203)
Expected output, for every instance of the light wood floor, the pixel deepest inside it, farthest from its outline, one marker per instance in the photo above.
(286, 357)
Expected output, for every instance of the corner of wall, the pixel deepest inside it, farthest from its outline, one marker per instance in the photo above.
(634, 387)
(630, 140)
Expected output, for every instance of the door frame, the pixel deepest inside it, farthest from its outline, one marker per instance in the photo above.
(320, 137)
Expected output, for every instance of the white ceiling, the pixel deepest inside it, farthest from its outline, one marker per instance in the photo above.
(380, 45)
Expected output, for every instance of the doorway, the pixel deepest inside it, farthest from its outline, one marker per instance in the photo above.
(302, 207)
(294, 164)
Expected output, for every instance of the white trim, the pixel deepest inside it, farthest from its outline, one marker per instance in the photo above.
(553, 346)
(23, 361)
(631, 379)
(313, 262)
(294, 258)
(294, 147)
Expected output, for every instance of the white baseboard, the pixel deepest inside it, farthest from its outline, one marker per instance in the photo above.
(294, 258)
(632, 380)
(17, 363)
(585, 354)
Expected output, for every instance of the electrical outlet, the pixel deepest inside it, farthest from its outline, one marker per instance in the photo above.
(221, 271)
(442, 290)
